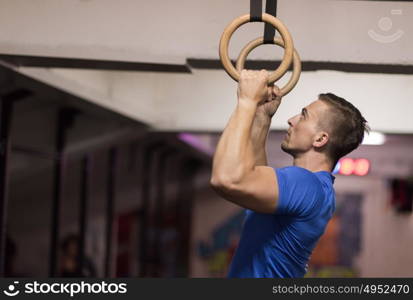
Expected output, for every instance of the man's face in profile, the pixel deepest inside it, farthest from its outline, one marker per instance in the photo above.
(304, 127)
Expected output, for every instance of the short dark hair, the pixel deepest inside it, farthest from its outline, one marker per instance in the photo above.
(347, 126)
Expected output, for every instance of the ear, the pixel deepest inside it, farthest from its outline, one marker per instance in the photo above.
(321, 139)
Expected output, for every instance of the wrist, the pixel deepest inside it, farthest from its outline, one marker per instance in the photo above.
(247, 102)
(262, 121)
(259, 133)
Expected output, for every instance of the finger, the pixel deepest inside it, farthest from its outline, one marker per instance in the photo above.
(244, 74)
(247, 73)
(269, 93)
(264, 73)
(276, 91)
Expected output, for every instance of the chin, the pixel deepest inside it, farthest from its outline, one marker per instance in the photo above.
(287, 149)
(284, 147)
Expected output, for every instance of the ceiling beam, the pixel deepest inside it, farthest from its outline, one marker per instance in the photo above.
(93, 64)
(212, 64)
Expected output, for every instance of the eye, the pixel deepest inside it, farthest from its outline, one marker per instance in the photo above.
(303, 114)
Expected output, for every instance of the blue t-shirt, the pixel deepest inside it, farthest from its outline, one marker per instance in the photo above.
(280, 244)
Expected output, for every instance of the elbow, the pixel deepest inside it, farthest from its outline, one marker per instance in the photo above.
(227, 182)
(223, 184)
(216, 183)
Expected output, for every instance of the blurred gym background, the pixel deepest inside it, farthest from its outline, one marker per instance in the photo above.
(111, 111)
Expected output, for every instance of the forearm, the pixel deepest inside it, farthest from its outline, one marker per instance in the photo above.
(234, 156)
(259, 134)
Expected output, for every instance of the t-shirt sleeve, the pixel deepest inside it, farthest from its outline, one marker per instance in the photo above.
(299, 191)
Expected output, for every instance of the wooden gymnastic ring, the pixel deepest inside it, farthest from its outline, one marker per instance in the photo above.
(296, 62)
(267, 18)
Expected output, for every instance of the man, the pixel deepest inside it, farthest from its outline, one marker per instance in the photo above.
(288, 208)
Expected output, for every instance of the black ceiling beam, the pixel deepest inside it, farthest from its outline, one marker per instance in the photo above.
(54, 62)
(77, 63)
(383, 0)
(310, 66)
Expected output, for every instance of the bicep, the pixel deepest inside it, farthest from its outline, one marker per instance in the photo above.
(258, 190)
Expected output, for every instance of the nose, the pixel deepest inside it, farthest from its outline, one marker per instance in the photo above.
(291, 121)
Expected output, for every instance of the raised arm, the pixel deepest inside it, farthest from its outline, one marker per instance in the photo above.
(237, 173)
(261, 125)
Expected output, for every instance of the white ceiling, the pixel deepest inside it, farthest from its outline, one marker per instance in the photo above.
(172, 31)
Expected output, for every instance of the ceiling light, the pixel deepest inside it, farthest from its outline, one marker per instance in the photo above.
(374, 138)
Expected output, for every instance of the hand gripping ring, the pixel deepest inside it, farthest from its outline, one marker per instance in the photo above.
(288, 42)
(296, 62)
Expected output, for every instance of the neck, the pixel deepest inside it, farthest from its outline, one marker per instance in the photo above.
(313, 161)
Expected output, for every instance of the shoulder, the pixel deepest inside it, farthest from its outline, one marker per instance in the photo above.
(293, 173)
(299, 190)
